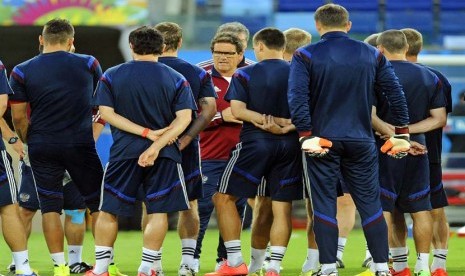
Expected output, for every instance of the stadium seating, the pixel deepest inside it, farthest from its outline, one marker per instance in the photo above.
(452, 5)
(451, 22)
(253, 23)
(299, 5)
(358, 5)
(366, 22)
(420, 20)
(302, 20)
(403, 5)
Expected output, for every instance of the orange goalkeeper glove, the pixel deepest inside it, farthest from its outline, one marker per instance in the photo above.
(315, 146)
(398, 145)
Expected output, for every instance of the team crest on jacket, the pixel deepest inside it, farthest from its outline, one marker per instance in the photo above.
(204, 179)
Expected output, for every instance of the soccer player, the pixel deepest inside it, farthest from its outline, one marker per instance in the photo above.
(204, 93)
(147, 104)
(74, 205)
(295, 38)
(330, 94)
(434, 146)
(260, 156)
(12, 227)
(405, 186)
(58, 84)
(222, 133)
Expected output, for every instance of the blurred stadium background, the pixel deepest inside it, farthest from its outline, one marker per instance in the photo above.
(102, 27)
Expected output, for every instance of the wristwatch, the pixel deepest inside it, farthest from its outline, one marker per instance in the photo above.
(13, 140)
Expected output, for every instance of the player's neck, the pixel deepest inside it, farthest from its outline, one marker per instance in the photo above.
(151, 58)
(55, 48)
(272, 55)
(412, 58)
(170, 54)
(395, 56)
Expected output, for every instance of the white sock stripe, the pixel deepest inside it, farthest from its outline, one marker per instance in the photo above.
(183, 184)
(440, 256)
(228, 170)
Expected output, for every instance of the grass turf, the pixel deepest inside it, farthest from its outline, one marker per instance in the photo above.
(128, 252)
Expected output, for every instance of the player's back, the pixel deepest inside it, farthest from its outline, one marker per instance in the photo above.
(59, 88)
(193, 74)
(147, 94)
(422, 89)
(265, 84)
(342, 77)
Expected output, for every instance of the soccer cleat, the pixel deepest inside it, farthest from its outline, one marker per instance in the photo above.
(219, 264)
(61, 270)
(78, 268)
(185, 270)
(11, 270)
(439, 272)
(339, 263)
(366, 273)
(113, 270)
(403, 272)
(196, 266)
(367, 263)
(422, 273)
(383, 273)
(272, 272)
(226, 270)
(320, 273)
(91, 273)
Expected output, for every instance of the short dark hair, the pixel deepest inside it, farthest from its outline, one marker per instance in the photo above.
(296, 38)
(393, 40)
(146, 41)
(172, 34)
(273, 38)
(414, 40)
(57, 31)
(235, 28)
(332, 15)
(230, 38)
(371, 39)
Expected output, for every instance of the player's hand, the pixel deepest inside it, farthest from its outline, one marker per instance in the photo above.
(19, 148)
(227, 116)
(282, 121)
(417, 149)
(155, 134)
(269, 125)
(148, 157)
(398, 145)
(315, 146)
(184, 141)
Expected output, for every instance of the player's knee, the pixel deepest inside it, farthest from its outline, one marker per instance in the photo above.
(77, 216)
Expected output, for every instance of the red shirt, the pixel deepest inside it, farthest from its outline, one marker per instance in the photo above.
(219, 137)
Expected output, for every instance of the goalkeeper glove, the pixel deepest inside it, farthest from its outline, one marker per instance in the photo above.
(398, 145)
(315, 146)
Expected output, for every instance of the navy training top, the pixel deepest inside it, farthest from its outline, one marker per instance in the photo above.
(59, 88)
(331, 88)
(148, 94)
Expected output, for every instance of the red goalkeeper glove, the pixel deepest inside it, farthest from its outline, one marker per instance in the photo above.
(315, 146)
(398, 145)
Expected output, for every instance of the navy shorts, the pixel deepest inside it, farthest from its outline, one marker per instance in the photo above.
(27, 196)
(192, 172)
(8, 190)
(438, 195)
(405, 183)
(49, 163)
(278, 161)
(162, 183)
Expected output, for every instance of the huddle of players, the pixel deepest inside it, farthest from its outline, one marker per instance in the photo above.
(149, 105)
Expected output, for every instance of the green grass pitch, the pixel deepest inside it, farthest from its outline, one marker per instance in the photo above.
(128, 252)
